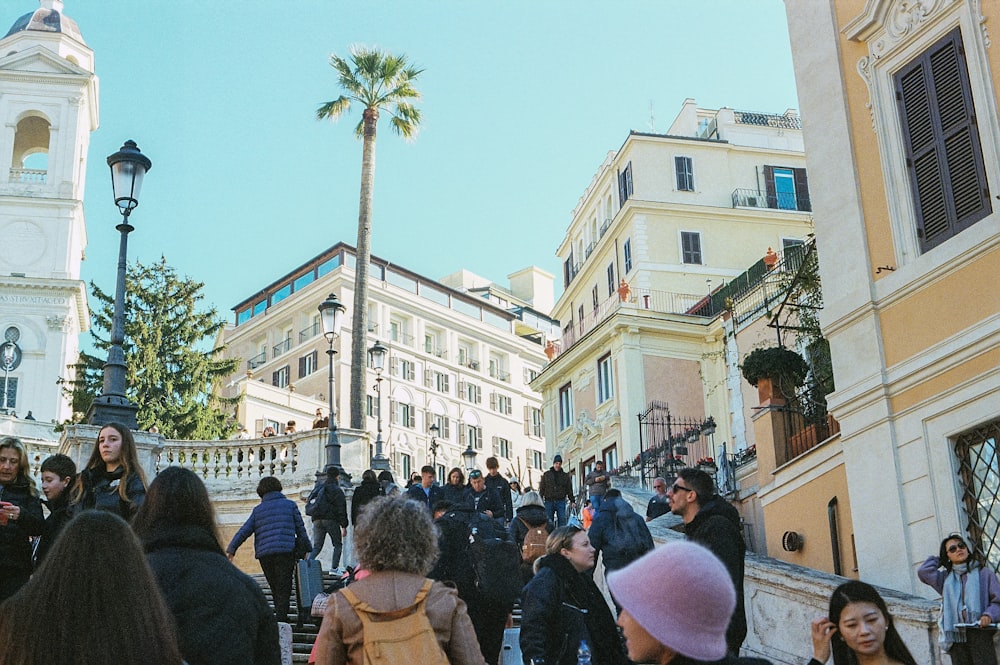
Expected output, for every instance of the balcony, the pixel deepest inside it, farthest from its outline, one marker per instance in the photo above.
(590, 250)
(36, 176)
(754, 198)
(281, 347)
(257, 360)
(309, 333)
(500, 374)
(605, 226)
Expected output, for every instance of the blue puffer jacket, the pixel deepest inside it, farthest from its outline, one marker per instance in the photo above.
(274, 523)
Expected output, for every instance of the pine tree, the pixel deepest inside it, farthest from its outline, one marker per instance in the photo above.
(170, 374)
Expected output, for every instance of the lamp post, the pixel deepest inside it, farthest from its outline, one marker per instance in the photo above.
(377, 355)
(469, 458)
(330, 311)
(433, 446)
(128, 166)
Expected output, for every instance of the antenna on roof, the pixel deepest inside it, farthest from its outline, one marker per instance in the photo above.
(652, 118)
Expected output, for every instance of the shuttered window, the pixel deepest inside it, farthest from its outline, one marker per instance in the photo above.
(684, 171)
(691, 247)
(625, 184)
(944, 157)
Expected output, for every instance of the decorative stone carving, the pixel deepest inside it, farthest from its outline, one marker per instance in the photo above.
(56, 322)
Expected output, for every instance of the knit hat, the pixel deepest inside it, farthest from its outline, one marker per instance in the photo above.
(682, 595)
(557, 458)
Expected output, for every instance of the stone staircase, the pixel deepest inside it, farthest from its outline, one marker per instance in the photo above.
(303, 632)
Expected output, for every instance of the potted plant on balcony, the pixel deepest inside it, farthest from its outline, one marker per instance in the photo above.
(775, 371)
(708, 465)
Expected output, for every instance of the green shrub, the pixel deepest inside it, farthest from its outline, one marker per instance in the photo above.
(777, 363)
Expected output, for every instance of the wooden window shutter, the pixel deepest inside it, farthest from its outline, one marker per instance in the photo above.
(769, 188)
(428, 378)
(461, 435)
(493, 401)
(802, 190)
(510, 406)
(941, 142)
(410, 371)
(479, 395)
(527, 420)
(302, 366)
(274, 378)
(411, 420)
(461, 391)
(446, 428)
(392, 411)
(394, 365)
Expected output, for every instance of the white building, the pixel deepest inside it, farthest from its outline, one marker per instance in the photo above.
(455, 360)
(48, 108)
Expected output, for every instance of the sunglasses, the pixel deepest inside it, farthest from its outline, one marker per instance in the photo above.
(680, 488)
(956, 547)
(475, 474)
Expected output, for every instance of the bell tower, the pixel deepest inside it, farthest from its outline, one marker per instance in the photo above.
(48, 108)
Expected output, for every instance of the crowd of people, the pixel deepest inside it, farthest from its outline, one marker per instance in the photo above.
(442, 567)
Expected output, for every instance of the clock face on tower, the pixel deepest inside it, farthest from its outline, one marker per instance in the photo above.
(22, 243)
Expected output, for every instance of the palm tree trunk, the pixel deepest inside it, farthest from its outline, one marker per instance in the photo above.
(359, 329)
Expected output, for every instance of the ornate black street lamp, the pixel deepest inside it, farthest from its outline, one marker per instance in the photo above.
(434, 445)
(377, 355)
(469, 458)
(330, 311)
(128, 166)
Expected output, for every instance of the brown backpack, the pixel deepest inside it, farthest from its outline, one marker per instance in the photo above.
(399, 636)
(533, 546)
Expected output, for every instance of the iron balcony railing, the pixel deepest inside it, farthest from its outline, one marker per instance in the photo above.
(257, 360)
(754, 198)
(309, 333)
(663, 302)
(281, 347)
(768, 120)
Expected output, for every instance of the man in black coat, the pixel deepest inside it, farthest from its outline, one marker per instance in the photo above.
(497, 483)
(330, 516)
(481, 498)
(712, 521)
(426, 492)
(619, 533)
(556, 488)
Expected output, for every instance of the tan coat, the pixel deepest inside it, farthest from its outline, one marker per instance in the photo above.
(340, 641)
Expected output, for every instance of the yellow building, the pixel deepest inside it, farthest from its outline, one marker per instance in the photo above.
(900, 108)
(667, 220)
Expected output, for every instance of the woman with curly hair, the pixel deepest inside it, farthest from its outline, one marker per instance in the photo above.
(20, 516)
(93, 600)
(397, 542)
(970, 593)
(112, 478)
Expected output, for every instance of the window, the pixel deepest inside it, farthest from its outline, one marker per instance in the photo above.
(470, 392)
(579, 315)
(444, 426)
(565, 406)
(532, 421)
(501, 447)
(405, 465)
(605, 381)
(611, 280)
(281, 294)
(691, 247)
(403, 414)
(471, 435)
(625, 184)
(594, 296)
(10, 399)
(611, 457)
(627, 255)
(978, 458)
(685, 174)
(501, 403)
(569, 270)
(308, 364)
(787, 188)
(537, 459)
(281, 377)
(441, 382)
(944, 157)
(403, 368)
(371, 406)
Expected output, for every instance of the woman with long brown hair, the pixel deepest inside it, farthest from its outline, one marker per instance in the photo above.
(20, 516)
(112, 479)
(93, 599)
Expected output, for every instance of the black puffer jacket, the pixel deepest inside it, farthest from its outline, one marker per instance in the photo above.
(54, 523)
(100, 491)
(717, 527)
(552, 623)
(222, 615)
(534, 516)
(619, 533)
(15, 548)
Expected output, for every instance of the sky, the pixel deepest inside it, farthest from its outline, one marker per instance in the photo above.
(522, 100)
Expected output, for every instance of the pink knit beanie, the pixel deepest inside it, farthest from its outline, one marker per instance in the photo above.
(682, 595)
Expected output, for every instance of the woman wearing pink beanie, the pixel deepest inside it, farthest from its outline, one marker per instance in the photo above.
(676, 603)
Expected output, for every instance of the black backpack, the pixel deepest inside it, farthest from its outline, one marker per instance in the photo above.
(317, 501)
(497, 565)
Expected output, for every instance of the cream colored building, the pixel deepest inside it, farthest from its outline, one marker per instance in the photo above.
(454, 360)
(900, 107)
(48, 108)
(674, 217)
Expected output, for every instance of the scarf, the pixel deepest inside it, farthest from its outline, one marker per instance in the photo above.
(959, 603)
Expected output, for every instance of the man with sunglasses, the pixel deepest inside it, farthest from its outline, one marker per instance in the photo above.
(712, 521)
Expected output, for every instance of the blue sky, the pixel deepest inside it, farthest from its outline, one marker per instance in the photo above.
(521, 100)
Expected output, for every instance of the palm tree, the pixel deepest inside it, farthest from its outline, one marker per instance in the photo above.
(378, 81)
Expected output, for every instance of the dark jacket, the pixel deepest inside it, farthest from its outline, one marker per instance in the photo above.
(556, 485)
(453, 493)
(552, 623)
(657, 507)
(100, 491)
(534, 516)
(15, 548)
(222, 615)
(454, 563)
(58, 517)
(619, 533)
(486, 500)
(275, 522)
(501, 487)
(332, 504)
(364, 493)
(416, 493)
(717, 527)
